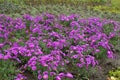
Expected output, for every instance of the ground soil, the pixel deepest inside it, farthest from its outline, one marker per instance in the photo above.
(105, 66)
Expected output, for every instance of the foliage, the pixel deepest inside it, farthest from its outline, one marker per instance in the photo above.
(107, 9)
(115, 73)
(85, 10)
(115, 3)
(9, 8)
(112, 7)
(66, 2)
(8, 70)
(16, 2)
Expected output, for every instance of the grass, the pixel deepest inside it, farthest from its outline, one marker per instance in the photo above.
(112, 7)
(36, 2)
(16, 8)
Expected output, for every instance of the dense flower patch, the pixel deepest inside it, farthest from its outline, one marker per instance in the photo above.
(48, 43)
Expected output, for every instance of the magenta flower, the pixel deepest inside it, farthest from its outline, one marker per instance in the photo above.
(1, 56)
(45, 75)
(34, 68)
(20, 77)
(39, 77)
(58, 78)
(31, 45)
(69, 75)
(110, 54)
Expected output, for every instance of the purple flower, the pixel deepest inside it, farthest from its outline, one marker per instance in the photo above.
(1, 56)
(61, 75)
(20, 77)
(75, 56)
(52, 73)
(35, 30)
(88, 60)
(97, 50)
(33, 63)
(74, 23)
(58, 78)
(80, 65)
(39, 77)
(45, 76)
(1, 45)
(34, 68)
(31, 45)
(7, 57)
(49, 44)
(27, 17)
(110, 54)
(69, 75)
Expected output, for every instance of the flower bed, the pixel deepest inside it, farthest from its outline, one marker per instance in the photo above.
(53, 45)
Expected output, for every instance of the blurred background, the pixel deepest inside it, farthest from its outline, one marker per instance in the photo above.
(109, 9)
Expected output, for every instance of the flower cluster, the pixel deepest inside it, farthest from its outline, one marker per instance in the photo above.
(52, 42)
